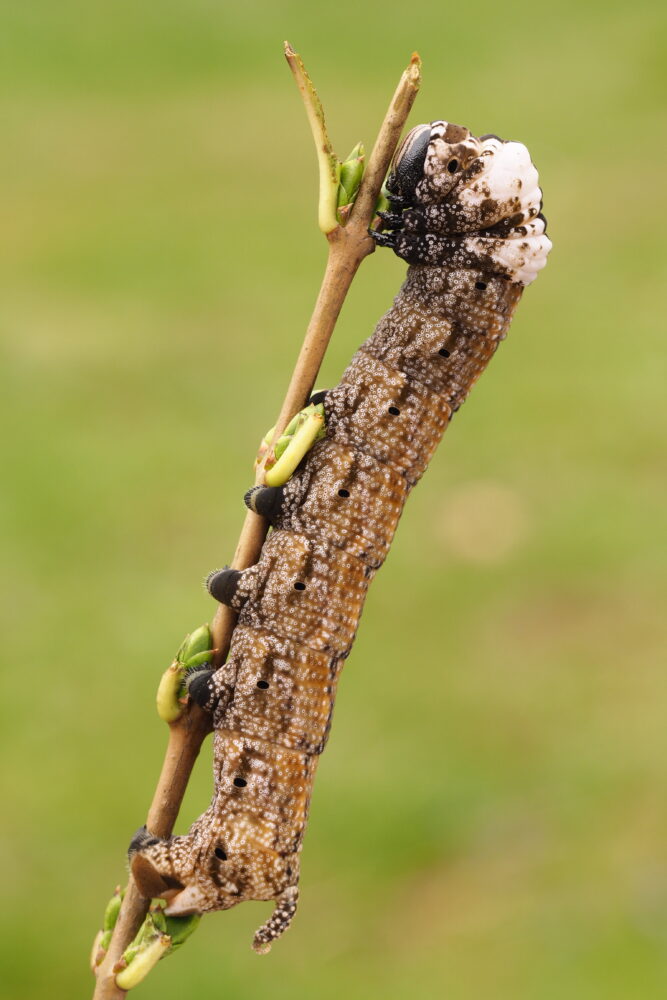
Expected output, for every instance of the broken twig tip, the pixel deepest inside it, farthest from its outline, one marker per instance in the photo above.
(414, 71)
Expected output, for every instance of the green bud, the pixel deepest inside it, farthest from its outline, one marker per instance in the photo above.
(128, 956)
(293, 431)
(310, 430)
(98, 950)
(193, 651)
(142, 962)
(169, 706)
(157, 937)
(179, 929)
(292, 426)
(103, 937)
(351, 172)
(281, 445)
(197, 642)
(112, 910)
(159, 919)
(146, 933)
(199, 659)
(264, 445)
(323, 431)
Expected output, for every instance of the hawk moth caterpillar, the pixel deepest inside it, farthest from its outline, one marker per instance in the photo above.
(465, 213)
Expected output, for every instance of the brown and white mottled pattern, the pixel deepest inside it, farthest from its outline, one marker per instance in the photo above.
(363, 498)
(296, 588)
(377, 410)
(283, 690)
(466, 215)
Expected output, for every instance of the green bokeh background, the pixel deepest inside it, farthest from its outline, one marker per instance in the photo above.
(489, 817)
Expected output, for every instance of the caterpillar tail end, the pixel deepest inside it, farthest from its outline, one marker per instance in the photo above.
(278, 922)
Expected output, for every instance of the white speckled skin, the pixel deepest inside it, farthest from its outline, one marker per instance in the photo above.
(486, 211)
(466, 215)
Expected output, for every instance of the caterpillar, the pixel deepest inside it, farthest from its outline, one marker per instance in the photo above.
(465, 213)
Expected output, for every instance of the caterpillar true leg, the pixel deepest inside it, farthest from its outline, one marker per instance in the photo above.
(383, 239)
(392, 220)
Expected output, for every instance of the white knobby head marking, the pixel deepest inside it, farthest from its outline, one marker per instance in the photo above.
(473, 185)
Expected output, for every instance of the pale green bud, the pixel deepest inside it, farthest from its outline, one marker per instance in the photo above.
(113, 909)
(169, 706)
(292, 425)
(193, 651)
(179, 929)
(142, 962)
(310, 430)
(351, 172)
(98, 950)
(146, 933)
(199, 659)
(285, 448)
(158, 917)
(264, 446)
(196, 643)
(157, 937)
(280, 446)
(103, 937)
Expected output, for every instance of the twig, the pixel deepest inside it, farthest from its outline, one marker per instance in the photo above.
(348, 245)
(327, 160)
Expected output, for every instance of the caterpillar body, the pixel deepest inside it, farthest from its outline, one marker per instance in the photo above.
(465, 212)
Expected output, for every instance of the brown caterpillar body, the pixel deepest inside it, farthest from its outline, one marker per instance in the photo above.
(334, 521)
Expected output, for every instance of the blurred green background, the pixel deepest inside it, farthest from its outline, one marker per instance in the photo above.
(489, 818)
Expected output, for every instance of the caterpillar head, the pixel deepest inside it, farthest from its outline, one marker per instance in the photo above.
(429, 162)
(463, 201)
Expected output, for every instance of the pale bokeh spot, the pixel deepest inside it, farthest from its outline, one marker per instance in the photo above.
(482, 522)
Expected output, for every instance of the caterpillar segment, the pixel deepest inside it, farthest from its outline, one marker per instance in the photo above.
(465, 212)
